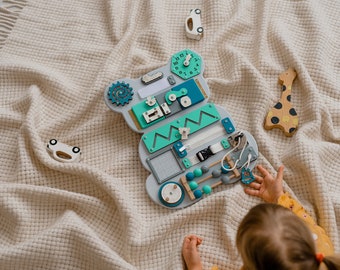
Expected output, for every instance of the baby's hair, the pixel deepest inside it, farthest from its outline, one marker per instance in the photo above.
(272, 237)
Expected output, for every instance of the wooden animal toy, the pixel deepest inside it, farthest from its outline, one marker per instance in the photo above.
(63, 152)
(193, 25)
(283, 115)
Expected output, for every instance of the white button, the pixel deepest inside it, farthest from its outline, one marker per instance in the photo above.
(185, 101)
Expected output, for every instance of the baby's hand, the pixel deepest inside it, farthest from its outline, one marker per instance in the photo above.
(190, 252)
(266, 186)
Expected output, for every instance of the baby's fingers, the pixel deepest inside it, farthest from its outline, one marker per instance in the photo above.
(252, 192)
(258, 179)
(194, 239)
(280, 172)
(254, 185)
(262, 170)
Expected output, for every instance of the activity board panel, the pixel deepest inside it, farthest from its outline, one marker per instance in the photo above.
(186, 171)
(191, 147)
(160, 95)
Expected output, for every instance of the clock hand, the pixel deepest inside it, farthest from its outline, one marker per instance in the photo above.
(187, 60)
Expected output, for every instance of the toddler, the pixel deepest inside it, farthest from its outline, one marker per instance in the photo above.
(278, 234)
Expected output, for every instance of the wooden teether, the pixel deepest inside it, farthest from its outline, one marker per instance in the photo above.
(283, 115)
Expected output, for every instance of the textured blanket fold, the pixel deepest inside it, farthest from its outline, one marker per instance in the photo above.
(57, 58)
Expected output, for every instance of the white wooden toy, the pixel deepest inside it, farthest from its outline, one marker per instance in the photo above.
(193, 25)
(190, 147)
(63, 152)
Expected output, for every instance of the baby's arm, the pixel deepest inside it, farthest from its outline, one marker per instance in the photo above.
(322, 241)
(270, 189)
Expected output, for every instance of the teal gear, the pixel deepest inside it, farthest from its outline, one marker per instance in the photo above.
(120, 93)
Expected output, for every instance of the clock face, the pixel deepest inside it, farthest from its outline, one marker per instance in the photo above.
(186, 64)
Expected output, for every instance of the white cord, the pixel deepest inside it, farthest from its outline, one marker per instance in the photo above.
(237, 161)
(248, 161)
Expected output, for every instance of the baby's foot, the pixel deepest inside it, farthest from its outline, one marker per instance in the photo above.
(190, 252)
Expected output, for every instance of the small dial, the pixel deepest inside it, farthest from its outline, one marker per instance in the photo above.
(186, 64)
(171, 194)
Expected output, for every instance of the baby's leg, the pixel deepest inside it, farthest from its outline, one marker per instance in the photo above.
(190, 252)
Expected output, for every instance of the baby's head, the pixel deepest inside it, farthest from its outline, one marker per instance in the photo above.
(272, 237)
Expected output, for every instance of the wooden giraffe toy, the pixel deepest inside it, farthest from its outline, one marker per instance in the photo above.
(283, 115)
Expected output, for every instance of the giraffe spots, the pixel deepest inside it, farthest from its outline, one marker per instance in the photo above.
(275, 120)
(291, 130)
(278, 106)
(292, 112)
(288, 98)
(284, 88)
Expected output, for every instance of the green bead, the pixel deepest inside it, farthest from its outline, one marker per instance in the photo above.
(198, 172)
(193, 185)
(206, 189)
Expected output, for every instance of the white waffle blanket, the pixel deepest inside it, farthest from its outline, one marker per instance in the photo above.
(56, 59)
